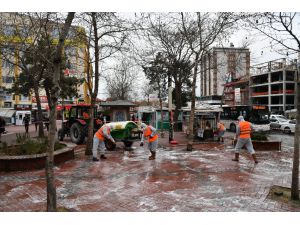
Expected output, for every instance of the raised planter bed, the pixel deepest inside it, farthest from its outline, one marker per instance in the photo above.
(33, 162)
(265, 145)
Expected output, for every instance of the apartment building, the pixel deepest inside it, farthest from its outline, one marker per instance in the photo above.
(273, 84)
(236, 93)
(222, 65)
(12, 29)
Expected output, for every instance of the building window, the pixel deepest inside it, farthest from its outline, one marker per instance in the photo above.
(8, 98)
(55, 33)
(7, 79)
(7, 64)
(73, 66)
(7, 104)
(71, 34)
(8, 51)
(8, 30)
(24, 98)
(71, 52)
(24, 31)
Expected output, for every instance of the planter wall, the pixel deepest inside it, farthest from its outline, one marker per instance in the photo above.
(265, 145)
(33, 162)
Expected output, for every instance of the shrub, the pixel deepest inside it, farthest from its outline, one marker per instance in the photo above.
(3, 148)
(259, 136)
(22, 138)
(27, 146)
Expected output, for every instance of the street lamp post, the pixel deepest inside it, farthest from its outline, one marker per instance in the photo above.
(170, 89)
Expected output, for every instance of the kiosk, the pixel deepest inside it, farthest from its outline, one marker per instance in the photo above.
(20, 115)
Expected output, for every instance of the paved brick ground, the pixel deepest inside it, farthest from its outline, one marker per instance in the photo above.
(202, 180)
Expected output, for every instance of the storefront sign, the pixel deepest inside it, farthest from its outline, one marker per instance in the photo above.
(237, 96)
(43, 99)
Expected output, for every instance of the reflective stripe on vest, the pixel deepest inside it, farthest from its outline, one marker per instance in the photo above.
(100, 133)
(245, 129)
(148, 132)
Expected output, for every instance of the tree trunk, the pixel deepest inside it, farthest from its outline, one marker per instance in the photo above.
(51, 189)
(162, 119)
(39, 111)
(89, 145)
(295, 171)
(90, 134)
(192, 115)
(63, 114)
(178, 94)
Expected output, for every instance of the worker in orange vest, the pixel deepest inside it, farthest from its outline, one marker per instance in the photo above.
(85, 115)
(98, 141)
(221, 131)
(243, 133)
(150, 133)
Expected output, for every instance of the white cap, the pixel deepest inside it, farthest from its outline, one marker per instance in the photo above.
(143, 125)
(241, 118)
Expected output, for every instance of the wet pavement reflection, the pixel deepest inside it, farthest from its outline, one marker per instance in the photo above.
(204, 179)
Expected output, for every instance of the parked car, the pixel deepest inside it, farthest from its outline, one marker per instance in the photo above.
(289, 127)
(276, 123)
(275, 116)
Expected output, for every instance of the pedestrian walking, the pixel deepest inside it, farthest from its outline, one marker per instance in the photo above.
(243, 135)
(150, 133)
(98, 141)
(2, 126)
(26, 121)
(221, 131)
(46, 122)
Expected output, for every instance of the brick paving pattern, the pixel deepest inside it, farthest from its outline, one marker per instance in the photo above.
(202, 180)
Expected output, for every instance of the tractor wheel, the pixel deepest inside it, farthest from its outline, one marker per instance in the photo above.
(77, 133)
(287, 130)
(109, 145)
(128, 144)
(60, 134)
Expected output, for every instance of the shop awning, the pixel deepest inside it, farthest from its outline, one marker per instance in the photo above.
(7, 112)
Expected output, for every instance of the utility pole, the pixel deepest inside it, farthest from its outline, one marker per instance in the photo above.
(170, 89)
(295, 170)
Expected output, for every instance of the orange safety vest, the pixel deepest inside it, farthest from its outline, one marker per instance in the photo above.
(221, 127)
(100, 134)
(86, 115)
(245, 129)
(148, 132)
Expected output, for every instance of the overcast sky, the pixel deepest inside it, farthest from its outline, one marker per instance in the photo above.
(260, 50)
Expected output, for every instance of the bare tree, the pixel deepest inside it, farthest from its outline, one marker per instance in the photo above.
(201, 30)
(162, 34)
(121, 83)
(282, 29)
(147, 90)
(106, 35)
